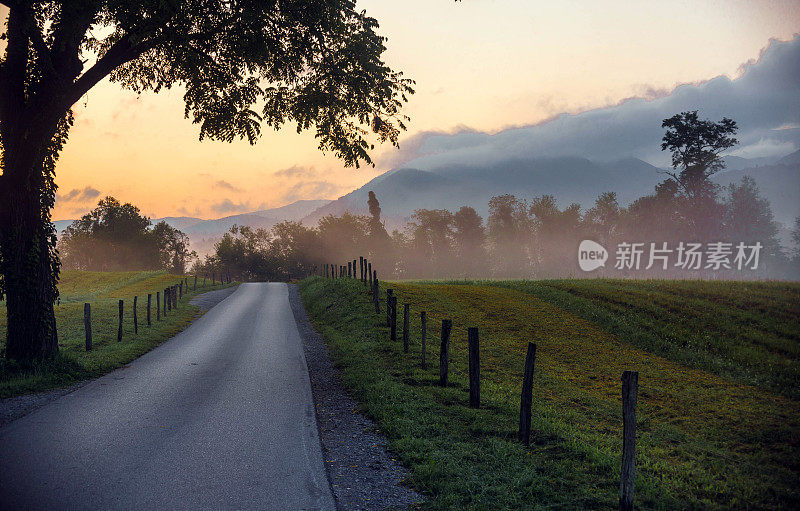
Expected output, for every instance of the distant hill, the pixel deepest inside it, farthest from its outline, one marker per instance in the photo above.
(220, 226)
(202, 233)
(579, 180)
(265, 218)
(569, 179)
(790, 159)
(294, 211)
(178, 222)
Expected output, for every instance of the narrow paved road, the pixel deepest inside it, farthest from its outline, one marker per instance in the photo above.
(220, 417)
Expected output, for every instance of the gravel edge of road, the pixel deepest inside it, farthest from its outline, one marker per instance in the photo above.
(362, 473)
(13, 408)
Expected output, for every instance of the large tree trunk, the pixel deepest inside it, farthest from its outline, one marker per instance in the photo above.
(26, 267)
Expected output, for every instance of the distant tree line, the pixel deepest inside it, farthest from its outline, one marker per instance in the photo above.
(535, 238)
(519, 239)
(116, 237)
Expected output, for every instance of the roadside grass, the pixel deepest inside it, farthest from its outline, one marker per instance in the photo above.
(103, 290)
(703, 441)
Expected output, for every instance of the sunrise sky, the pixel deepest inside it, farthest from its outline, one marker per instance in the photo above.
(479, 64)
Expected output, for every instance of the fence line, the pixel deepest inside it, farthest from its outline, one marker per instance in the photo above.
(629, 378)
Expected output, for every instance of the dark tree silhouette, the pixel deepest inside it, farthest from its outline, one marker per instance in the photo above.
(557, 234)
(602, 220)
(115, 237)
(432, 242)
(510, 230)
(696, 146)
(316, 63)
(470, 237)
(749, 219)
(379, 240)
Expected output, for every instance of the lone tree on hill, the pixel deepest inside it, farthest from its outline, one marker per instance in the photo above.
(696, 146)
(316, 63)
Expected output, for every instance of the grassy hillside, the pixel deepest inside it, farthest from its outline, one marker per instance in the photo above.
(748, 332)
(708, 436)
(103, 290)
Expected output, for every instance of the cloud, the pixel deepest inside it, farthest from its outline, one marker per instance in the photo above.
(228, 206)
(764, 148)
(226, 186)
(766, 96)
(296, 171)
(311, 190)
(78, 196)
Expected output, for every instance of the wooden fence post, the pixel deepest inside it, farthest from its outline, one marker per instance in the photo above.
(630, 390)
(349, 270)
(361, 268)
(423, 316)
(369, 270)
(406, 312)
(354, 268)
(394, 318)
(158, 305)
(119, 330)
(135, 317)
(87, 325)
(174, 297)
(389, 293)
(180, 290)
(149, 301)
(195, 283)
(524, 434)
(444, 352)
(167, 301)
(376, 293)
(474, 368)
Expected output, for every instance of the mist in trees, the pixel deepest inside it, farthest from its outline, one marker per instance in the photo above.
(115, 237)
(521, 238)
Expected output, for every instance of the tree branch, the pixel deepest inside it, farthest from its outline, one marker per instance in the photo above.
(68, 37)
(41, 48)
(120, 52)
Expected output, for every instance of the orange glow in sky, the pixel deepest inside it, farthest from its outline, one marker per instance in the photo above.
(480, 64)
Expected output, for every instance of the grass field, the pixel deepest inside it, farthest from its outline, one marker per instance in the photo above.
(103, 290)
(718, 423)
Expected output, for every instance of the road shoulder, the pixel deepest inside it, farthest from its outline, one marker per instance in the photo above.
(362, 473)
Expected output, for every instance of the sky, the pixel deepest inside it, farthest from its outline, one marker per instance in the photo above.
(764, 101)
(480, 66)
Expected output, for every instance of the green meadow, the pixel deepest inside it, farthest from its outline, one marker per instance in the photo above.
(718, 417)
